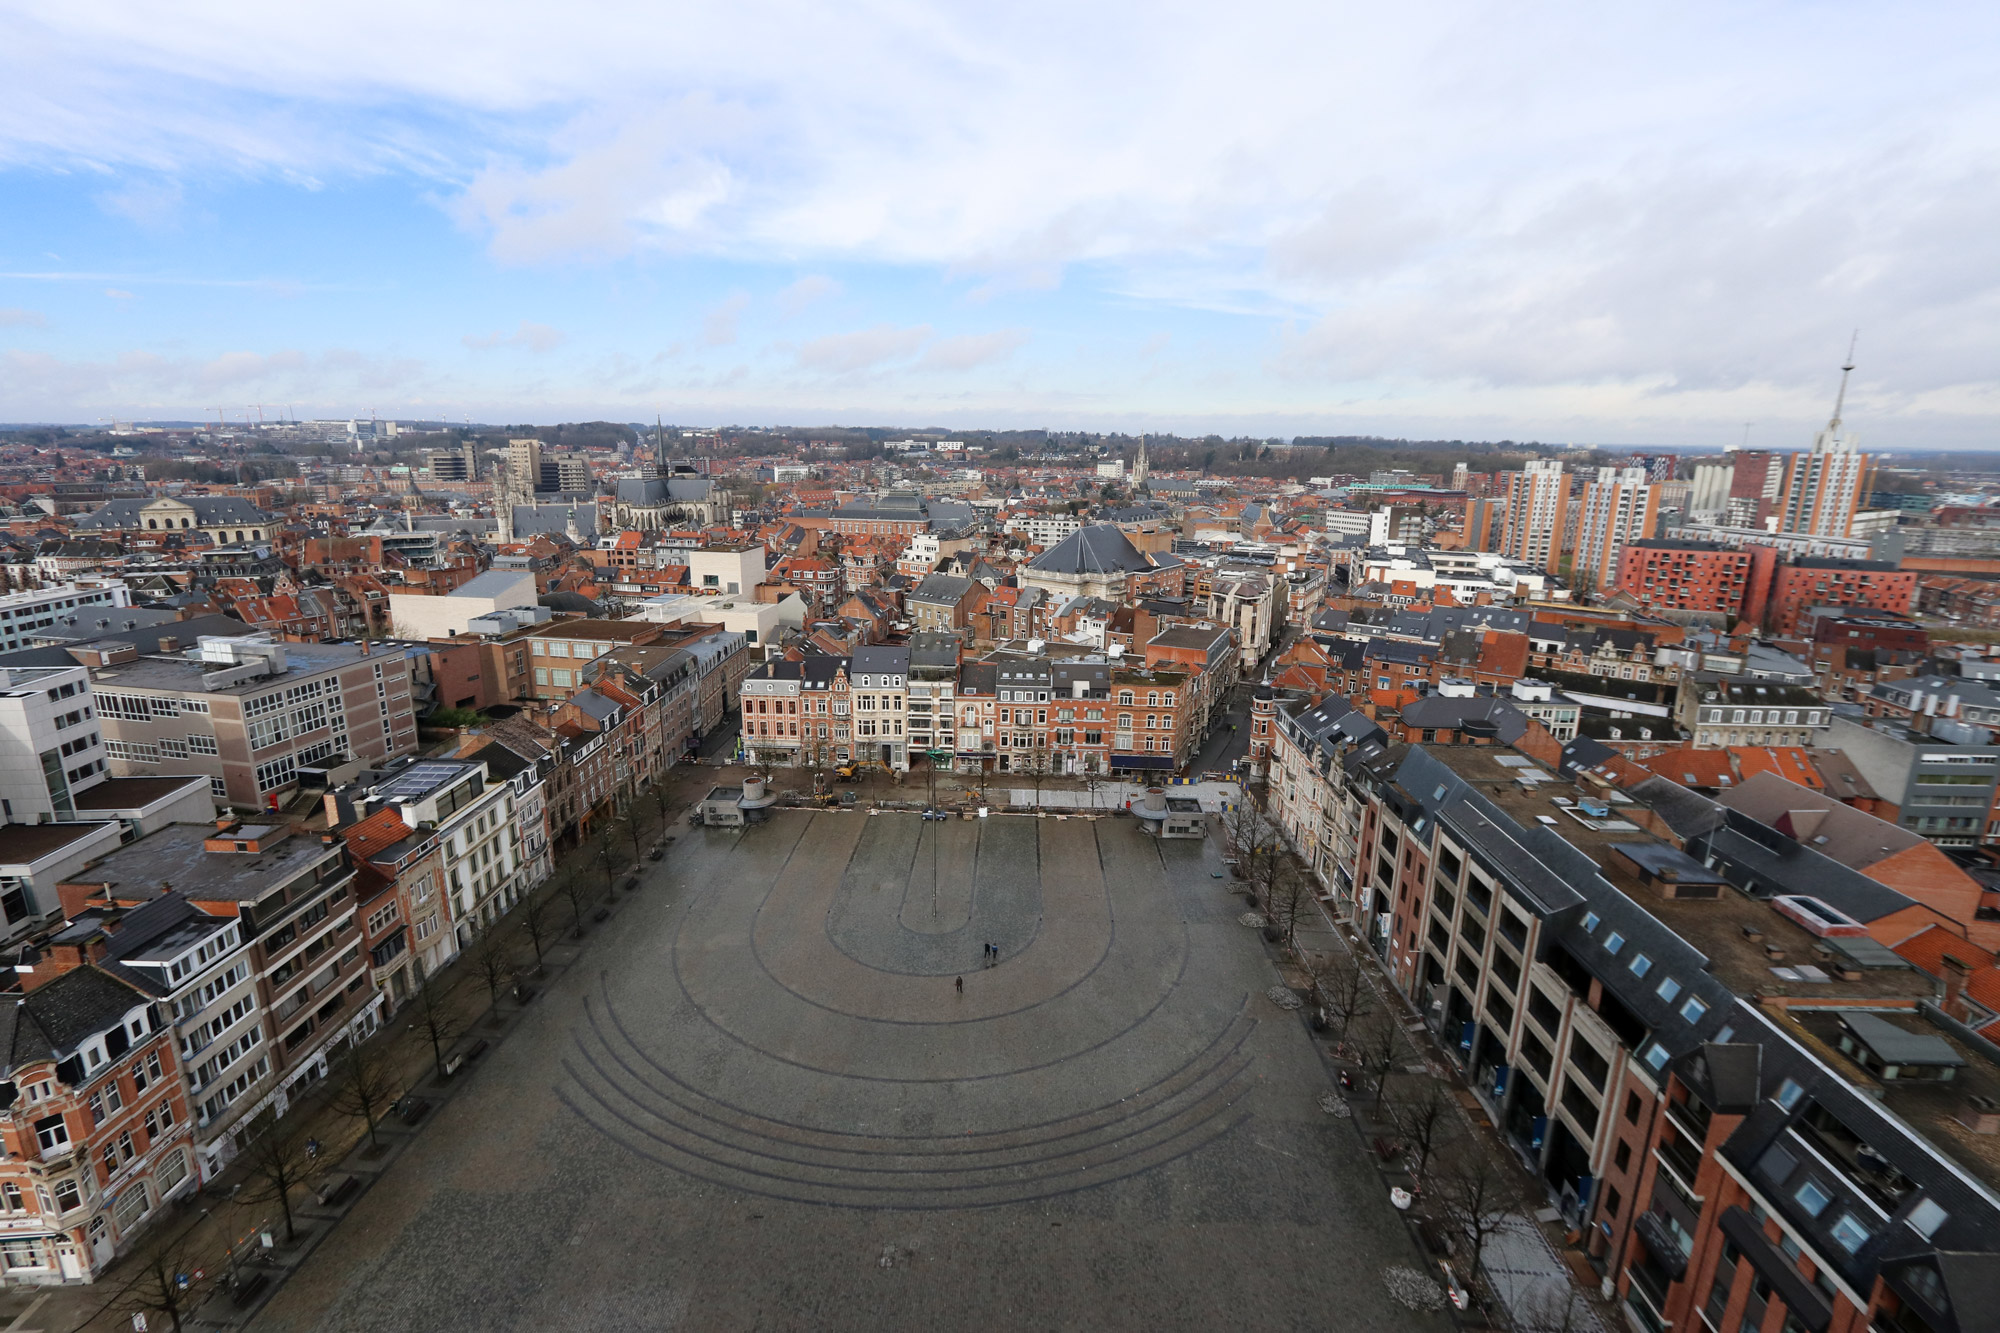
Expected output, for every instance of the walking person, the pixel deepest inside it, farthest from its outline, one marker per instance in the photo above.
(961, 985)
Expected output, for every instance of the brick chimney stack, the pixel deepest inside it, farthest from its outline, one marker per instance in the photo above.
(1957, 974)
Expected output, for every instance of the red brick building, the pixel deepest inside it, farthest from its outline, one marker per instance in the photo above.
(97, 1129)
(1877, 585)
(1670, 575)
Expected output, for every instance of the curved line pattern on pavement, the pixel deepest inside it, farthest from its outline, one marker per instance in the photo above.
(809, 1004)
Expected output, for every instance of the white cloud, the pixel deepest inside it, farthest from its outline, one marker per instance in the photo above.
(864, 349)
(814, 287)
(119, 294)
(719, 325)
(14, 317)
(151, 204)
(1646, 208)
(41, 386)
(527, 334)
(972, 350)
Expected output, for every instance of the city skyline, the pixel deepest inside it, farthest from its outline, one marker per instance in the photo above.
(1648, 230)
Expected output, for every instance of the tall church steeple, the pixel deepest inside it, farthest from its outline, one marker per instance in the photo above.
(1139, 464)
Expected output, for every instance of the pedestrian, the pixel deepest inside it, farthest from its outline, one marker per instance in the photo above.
(312, 1149)
(961, 985)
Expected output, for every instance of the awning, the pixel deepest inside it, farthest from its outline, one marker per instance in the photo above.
(1165, 761)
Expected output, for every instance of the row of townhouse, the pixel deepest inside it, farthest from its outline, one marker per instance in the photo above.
(197, 979)
(1010, 712)
(1736, 1144)
(250, 955)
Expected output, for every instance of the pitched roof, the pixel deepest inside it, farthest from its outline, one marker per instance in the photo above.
(1100, 548)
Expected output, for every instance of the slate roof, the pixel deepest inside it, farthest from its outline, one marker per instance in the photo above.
(209, 511)
(881, 661)
(1100, 548)
(1442, 712)
(52, 1020)
(940, 590)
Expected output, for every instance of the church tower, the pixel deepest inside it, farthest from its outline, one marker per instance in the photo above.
(1139, 464)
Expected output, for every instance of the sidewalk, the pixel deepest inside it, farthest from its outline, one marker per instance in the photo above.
(1522, 1266)
(212, 1231)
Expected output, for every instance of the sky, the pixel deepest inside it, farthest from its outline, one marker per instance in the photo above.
(1638, 223)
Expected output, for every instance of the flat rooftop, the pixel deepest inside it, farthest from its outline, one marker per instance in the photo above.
(183, 673)
(1735, 932)
(23, 844)
(133, 793)
(1932, 1106)
(175, 858)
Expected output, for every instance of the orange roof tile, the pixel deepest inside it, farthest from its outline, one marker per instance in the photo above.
(1788, 762)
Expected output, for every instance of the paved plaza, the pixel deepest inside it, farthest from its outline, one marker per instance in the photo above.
(763, 1101)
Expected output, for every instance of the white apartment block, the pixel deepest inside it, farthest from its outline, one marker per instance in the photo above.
(1617, 509)
(50, 744)
(22, 613)
(1043, 530)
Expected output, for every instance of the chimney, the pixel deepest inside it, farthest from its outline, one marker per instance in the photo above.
(1956, 975)
(37, 968)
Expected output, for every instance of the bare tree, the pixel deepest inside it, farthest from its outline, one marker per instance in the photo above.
(1381, 1044)
(493, 961)
(603, 838)
(537, 924)
(1425, 1118)
(570, 881)
(1250, 838)
(431, 1015)
(277, 1164)
(1290, 896)
(1345, 993)
(365, 1086)
(1477, 1196)
(1039, 761)
(164, 1288)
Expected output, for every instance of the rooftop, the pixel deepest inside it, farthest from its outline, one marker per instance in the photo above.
(24, 844)
(175, 858)
(185, 673)
(133, 793)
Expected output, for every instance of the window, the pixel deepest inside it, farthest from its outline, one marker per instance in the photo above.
(52, 1134)
(1788, 1094)
(218, 789)
(1590, 921)
(1613, 942)
(1669, 988)
(23, 1253)
(202, 745)
(1632, 1108)
(132, 1205)
(1813, 1199)
(1656, 1056)
(68, 1196)
(1850, 1233)
(173, 1170)
(1693, 1010)
(1640, 964)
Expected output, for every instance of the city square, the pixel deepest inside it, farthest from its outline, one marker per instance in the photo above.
(790, 1088)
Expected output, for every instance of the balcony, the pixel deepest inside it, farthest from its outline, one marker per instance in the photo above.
(1690, 1120)
(1682, 1164)
(1648, 1293)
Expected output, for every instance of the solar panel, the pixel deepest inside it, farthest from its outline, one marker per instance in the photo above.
(420, 780)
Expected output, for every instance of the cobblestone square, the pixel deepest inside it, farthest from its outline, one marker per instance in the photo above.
(765, 1101)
